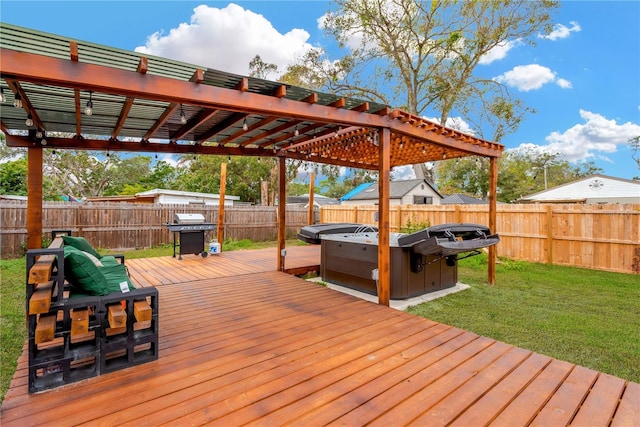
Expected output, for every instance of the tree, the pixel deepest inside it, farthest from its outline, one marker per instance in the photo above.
(336, 185)
(244, 175)
(13, 177)
(80, 173)
(260, 69)
(634, 145)
(423, 56)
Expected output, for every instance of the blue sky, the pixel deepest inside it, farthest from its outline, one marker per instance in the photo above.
(583, 79)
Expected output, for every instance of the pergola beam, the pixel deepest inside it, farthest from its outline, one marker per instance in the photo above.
(59, 72)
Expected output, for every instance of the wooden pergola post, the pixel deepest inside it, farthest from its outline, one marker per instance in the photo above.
(384, 252)
(282, 205)
(34, 197)
(223, 187)
(493, 218)
(312, 178)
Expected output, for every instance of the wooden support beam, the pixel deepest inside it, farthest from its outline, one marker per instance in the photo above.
(311, 99)
(143, 65)
(312, 178)
(252, 127)
(280, 92)
(73, 51)
(282, 204)
(338, 103)
(45, 328)
(493, 218)
(384, 251)
(142, 311)
(362, 107)
(40, 300)
(124, 113)
(225, 124)
(161, 120)
(116, 315)
(79, 321)
(193, 123)
(34, 197)
(39, 69)
(223, 186)
(243, 85)
(197, 77)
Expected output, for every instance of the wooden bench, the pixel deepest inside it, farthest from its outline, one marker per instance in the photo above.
(73, 338)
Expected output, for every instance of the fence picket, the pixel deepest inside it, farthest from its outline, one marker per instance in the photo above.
(123, 226)
(604, 237)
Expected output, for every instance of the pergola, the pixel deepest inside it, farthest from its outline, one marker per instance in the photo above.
(149, 104)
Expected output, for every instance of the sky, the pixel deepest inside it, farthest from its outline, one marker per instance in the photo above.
(582, 79)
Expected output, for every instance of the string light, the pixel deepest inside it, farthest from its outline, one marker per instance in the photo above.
(88, 110)
(245, 127)
(183, 118)
(296, 132)
(29, 121)
(17, 101)
(3, 97)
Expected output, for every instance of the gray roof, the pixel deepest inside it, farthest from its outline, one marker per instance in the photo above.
(462, 199)
(397, 189)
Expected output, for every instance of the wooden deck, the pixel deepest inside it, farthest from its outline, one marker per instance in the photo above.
(241, 344)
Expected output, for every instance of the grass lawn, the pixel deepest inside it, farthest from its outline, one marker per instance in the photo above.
(587, 317)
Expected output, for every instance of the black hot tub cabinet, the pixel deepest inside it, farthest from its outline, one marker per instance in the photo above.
(421, 262)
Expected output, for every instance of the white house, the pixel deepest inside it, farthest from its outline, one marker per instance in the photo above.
(590, 190)
(174, 197)
(408, 192)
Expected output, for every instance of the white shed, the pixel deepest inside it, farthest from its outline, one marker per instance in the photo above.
(174, 197)
(590, 190)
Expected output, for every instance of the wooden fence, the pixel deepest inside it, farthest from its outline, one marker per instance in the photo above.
(602, 237)
(123, 225)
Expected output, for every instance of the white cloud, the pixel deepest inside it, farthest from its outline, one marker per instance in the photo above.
(228, 39)
(593, 139)
(561, 31)
(530, 77)
(564, 84)
(499, 52)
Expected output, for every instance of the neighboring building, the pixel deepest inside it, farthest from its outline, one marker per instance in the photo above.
(318, 200)
(170, 197)
(409, 192)
(13, 198)
(462, 199)
(590, 190)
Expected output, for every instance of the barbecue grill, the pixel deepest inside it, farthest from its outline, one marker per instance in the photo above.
(421, 262)
(190, 228)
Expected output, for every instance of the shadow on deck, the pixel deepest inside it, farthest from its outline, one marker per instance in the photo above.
(243, 344)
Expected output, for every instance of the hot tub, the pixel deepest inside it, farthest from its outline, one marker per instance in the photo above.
(420, 262)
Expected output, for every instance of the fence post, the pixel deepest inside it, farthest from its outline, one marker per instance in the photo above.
(549, 234)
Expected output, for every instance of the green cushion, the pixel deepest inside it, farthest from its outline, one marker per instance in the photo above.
(80, 243)
(82, 273)
(114, 275)
(108, 260)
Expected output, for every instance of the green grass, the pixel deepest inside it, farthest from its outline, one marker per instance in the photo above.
(587, 317)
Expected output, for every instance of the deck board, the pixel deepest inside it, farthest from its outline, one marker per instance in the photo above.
(243, 344)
